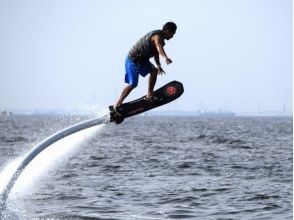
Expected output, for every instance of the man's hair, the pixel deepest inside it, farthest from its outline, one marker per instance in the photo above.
(170, 26)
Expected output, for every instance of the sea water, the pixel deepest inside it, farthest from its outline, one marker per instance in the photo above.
(153, 168)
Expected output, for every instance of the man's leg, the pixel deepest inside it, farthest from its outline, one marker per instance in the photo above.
(126, 91)
(152, 81)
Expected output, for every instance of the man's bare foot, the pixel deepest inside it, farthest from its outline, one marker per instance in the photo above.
(152, 98)
(148, 97)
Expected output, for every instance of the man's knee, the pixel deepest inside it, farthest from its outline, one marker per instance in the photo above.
(132, 86)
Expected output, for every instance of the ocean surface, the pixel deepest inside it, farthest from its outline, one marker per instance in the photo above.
(151, 167)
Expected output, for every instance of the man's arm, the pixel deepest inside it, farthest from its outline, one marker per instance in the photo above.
(157, 61)
(159, 48)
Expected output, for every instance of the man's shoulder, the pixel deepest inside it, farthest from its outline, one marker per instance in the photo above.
(155, 32)
(156, 36)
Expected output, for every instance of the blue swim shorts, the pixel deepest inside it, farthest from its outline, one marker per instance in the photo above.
(134, 69)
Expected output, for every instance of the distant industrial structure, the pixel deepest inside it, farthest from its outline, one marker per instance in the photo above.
(200, 113)
(216, 113)
(3, 112)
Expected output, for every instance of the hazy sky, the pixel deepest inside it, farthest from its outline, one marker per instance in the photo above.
(229, 54)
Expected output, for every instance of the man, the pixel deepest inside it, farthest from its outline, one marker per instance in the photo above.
(137, 62)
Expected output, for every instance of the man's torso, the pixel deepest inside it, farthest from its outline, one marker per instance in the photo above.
(144, 49)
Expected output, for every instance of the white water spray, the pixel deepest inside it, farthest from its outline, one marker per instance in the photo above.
(51, 158)
(35, 162)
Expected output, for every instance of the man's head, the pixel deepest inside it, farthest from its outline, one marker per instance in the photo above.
(169, 29)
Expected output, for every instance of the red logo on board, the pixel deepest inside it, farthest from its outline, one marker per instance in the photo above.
(171, 90)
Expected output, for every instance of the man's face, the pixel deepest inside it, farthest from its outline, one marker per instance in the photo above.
(170, 34)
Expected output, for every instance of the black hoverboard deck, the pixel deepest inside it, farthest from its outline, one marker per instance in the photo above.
(163, 95)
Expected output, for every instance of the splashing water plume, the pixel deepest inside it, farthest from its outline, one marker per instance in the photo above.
(20, 176)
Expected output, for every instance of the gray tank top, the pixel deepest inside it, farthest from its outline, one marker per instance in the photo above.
(143, 49)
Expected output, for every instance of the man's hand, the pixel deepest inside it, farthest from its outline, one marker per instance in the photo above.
(160, 70)
(168, 60)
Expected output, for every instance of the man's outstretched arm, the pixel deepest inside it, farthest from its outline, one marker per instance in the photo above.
(157, 61)
(160, 49)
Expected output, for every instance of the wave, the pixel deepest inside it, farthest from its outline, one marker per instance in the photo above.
(219, 139)
(12, 139)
